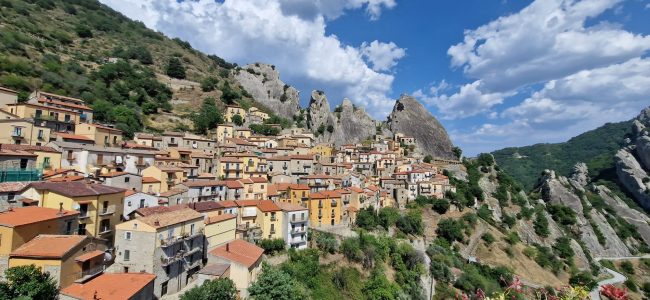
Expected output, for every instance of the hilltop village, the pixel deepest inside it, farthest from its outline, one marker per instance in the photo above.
(148, 216)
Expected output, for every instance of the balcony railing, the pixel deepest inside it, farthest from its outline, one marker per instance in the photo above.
(166, 261)
(18, 135)
(298, 220)
(168, 242)
(91, 273)
(298, 230)
(107, 211)
(83, 215)
(274, 218)
(104, 230)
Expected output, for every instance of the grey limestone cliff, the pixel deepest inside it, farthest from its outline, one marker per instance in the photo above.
(263, 82)
(411, 118)
(633, 161)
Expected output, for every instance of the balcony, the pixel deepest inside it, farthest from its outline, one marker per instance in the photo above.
(274, 218)
(90, 273)
(166, 261)
(298, 230)
(168, 242)
(104, 230)
(107, 211)
(320, 204)
(272, 231)
(83, 215)
(17, 135)
(298, 220)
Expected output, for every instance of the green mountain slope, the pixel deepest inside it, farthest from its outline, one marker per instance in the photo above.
(596, 148)
(64, 46)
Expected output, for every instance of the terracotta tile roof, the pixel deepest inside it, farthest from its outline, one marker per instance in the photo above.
(169, 168)
(66, 178)
(28, 148)
(146, 211)
(19, 216)
(246, 181)
(7, 187)
(150, 180)
(70, 136)
(59, 172)
(228, 203)
(71, 105)
(202, 183)
(105, 127)
(204, 206)
(76, 188)
(267, 206)
(4, 89)
(114, 174)
(110, 286)
(271, 190)
(49, 246)
(279, 158)
(239, 251)
(172, 192)
(207, 175)
(7, 152)
(129, 193)
(259, 179)
(317, 196)
(89, 255)
(243, 203)
(164, 219)
(233, 184)
(331, 194)
(290, 207)
(215, 218)
(230, 159)
(215, 269)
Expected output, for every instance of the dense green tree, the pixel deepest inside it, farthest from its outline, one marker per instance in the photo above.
(450, 229)
(428, 159)
(411, 223)
(83, 31)
(175, 68)
(28, 282)
(271, 246)
(218, 289)
(457, 152)
(441, 206)
(264, 129)
(377, 287)
(228, 95)
(367, 218)
(387, 217)
(326, 242)
(209, 84)
(488, 238)
(584, 279)
(562, 214)
(562, 247)
(238, 120)
(541, 225)
(208, 116)
(330, 128)
(274, 284)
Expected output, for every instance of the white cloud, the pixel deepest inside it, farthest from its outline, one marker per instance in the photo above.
(269, 31)
(470, 100)
(546, 40)
(382, 56)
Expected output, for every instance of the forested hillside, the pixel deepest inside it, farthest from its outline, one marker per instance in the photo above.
(596, 148)
(81, 48)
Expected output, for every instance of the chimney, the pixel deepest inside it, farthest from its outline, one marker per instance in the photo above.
(60, 209)
(228, 247)
(156, 222)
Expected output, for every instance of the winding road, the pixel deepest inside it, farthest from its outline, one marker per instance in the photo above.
(616, 276)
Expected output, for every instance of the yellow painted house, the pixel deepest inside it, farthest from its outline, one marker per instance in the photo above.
(219, 229)
(23, 132)
(322, 150)
(100, 206)
(169, 176)
(102, 135)
(21, 224)
(270, 219)
(68, 258)
(230, 168)
(232, 110)
(223, 132)
(47, 158)
(292, 193)
(325, 208)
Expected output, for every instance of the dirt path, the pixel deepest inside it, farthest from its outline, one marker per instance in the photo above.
(616, 277)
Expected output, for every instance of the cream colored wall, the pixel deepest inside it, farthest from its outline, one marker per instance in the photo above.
(30, 133)
(266, 221)
(220, 232)
(98, 134)
(55, 159)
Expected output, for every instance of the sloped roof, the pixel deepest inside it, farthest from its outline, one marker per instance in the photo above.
(110, 286)
(49, 246)
(239, 251)
(76, 188)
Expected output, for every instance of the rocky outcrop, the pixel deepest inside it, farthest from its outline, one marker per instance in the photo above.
(263, 82)
(580, 176)
(557, 190)
(348, 123)
(411, 118)
(631, 175)
(632, 216)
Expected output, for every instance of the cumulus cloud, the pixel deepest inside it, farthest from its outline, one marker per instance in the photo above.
(470, 100)
(382, 56)
(287, 33)
(546, 40)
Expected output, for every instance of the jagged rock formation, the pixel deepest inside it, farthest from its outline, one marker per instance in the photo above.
(411, 118)
(263, 82)
(633, 216)
(633, 161)
(580, 177)
(557, 190)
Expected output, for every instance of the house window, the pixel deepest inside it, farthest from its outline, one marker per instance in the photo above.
(163, 288)
(192, 229)
(128, 203)
(141, 203)
(127, 255)
(127, 235)
(82, 229)
(68, 227)
(115, 140)
(105, 225)
(100, 159)
(106, 140)
(127, 179)
(40, 134)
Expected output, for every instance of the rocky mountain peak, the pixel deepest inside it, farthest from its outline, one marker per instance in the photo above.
(263, 82)
(411, 118)
(580, 176)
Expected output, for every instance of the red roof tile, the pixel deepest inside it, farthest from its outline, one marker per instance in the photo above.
(19, 216)
(110, 286)
(49, 246)
(239, 251)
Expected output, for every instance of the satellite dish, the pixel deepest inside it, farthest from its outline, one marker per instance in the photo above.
(75, 206)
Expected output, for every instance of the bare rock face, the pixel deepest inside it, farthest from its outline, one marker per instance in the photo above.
(580, 177)
(263, 82)
(557, 190)
(631, 175)
(633, 216)
(348, 123)
(411, 118)
(643, 150)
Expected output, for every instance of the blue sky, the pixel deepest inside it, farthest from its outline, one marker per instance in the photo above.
(495, 73)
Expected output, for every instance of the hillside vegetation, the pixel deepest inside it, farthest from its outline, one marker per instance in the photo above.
(596, 148)
(82, 48)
